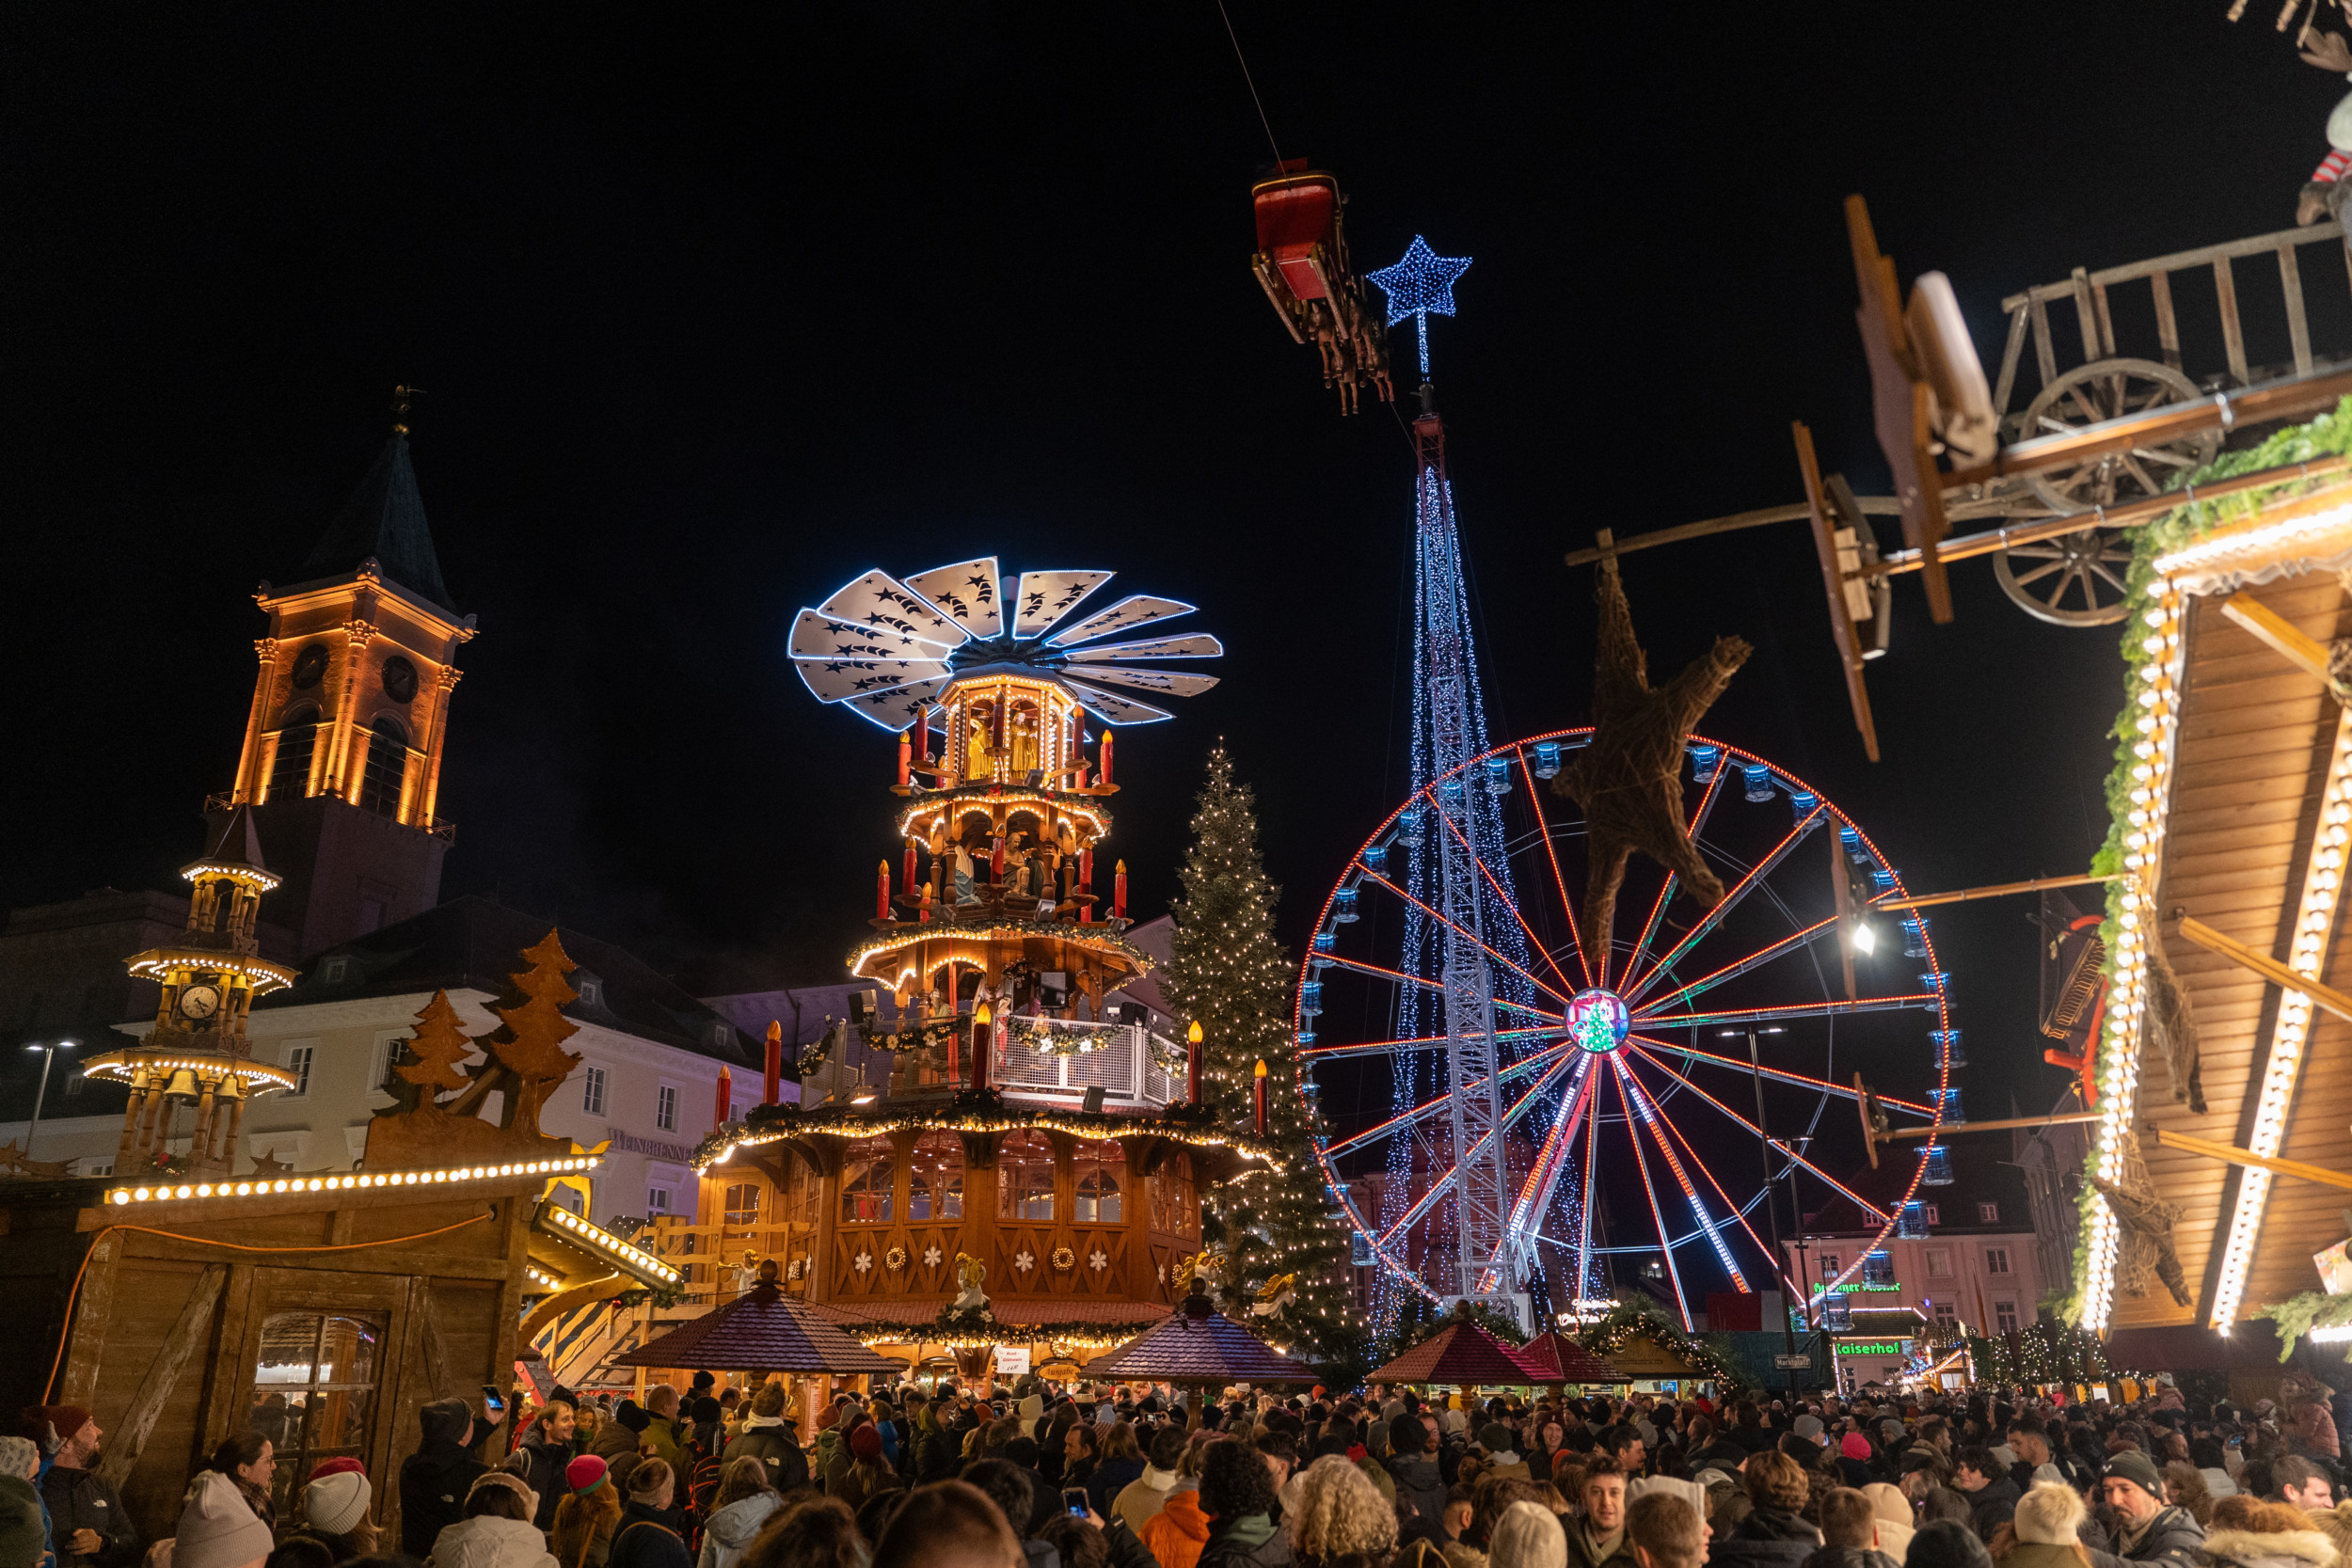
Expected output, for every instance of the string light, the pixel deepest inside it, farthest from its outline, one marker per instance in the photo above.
(569, 1227)
(256, 1187)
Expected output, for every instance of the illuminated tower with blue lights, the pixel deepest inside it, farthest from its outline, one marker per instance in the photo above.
(1462, 901)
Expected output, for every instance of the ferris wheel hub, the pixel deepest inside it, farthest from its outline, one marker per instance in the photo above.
(1598, 1021)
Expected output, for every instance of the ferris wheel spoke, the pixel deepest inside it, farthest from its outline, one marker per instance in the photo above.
(1552, 853)
(1690, 1194)
(1778, 1075)
(1420, 1042)
(1535, 1192)
(1562, 997)
(1439, 1186)
(1665, 1239)
(1714, 918)
(1926, 1000)
(1779, 1270)
(1534, 941)
(1753, 961)
(1428, 1108)
(1667, 1068)
(1666, 889)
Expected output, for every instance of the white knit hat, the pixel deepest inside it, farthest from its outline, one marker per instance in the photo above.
(336, 1503)
(1528, 1536)
(218, 1529)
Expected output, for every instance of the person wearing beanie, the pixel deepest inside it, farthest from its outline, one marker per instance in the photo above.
(2147, 1528)
(88, 1525)
(652, 1531)
(618, 1440)
(435, 1479)
(24, 1526)
(770, 1437)
(218, 1529)
(495, 1529)
(587, 1514)
(2048, 1519)
(1809, 1427)
(1853, 1460)
(868, 1473)
(1528, 1536)
(1891, 1519)
(333, 1509)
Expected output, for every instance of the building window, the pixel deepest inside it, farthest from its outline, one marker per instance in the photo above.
(1939, 1263)
(742, 1206)
(1173, 1205)
(1829, 1265)
(592, 1091)
(315, 1389)
(1098, 1170)
(2005, 1317)
(297, 742)
(1996, 1260)
(1987, 1213)
(1025, 1178)
(334, 969)
(1931, 1213)
(1947, 1316)
(868, 1182)
(591, 991)
(657, 1200)
(665, 1108)
(935, 1178)
(386, 769)
(298, 1061)
(74, 1081)
(391, 1051)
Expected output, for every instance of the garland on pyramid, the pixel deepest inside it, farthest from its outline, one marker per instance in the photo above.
(1228, 974)
(1623, 1323)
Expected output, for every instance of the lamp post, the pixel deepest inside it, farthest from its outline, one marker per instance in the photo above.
(49, 1056)
(1772, 1209)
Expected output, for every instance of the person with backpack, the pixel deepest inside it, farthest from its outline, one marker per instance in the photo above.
(652, 1530)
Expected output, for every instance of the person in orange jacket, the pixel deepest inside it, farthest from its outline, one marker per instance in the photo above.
(1180, 1529)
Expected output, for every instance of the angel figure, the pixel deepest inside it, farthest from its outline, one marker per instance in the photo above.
(970, 1272)
(1273, 1295)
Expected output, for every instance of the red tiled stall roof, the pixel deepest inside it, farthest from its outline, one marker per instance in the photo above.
(1214, 1349)
(1011, 1312)
(1462, 1355)
(763, 1330)
(1556, 1358)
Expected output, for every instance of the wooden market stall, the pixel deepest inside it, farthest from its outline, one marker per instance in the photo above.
(1556, 1359)
(1200, 1350)
(761, 1332)
(1460, 1355)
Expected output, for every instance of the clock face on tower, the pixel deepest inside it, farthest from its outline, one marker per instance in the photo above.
(308, 666)
(400, 679)
(199, 1002)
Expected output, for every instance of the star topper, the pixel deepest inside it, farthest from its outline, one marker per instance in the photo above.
(1420, 282)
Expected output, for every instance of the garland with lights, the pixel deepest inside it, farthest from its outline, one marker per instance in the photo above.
(985, 1111)
(1618, 1329)
(2298, 1315)
(1228, 974)
(2046, 1353)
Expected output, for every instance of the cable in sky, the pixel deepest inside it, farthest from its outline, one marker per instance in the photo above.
(1252, 82)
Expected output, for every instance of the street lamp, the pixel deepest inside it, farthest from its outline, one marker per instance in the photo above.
(1771, 1210)
(49, 1056)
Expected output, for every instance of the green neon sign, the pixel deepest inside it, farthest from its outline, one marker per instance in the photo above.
(1871, 1347)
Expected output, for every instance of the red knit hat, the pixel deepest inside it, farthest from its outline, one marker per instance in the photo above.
(584, 1474)
(65, 1419)
(865, 1441)
(337, 1466)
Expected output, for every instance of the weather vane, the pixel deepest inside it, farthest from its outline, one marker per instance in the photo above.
(1422, 281)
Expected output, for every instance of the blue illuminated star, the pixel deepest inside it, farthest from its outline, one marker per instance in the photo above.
(1422, 283)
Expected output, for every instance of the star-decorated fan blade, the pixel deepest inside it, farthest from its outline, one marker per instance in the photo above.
(1202, 646)
(880, 602)
(965, 594)
(1137, 609)
(1168, 682)
(1046, 597)
(895, 707)
(844, 678)
(1114, 709)
(821, 638)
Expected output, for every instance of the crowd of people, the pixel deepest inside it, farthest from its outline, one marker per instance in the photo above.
(1046, 1475)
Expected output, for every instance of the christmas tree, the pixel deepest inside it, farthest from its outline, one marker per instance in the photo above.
(1228, 974)
(526, 1051)
(437, 1053)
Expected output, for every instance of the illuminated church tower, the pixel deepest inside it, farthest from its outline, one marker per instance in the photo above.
(341, 762)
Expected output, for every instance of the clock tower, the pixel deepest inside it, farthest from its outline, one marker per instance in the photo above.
(195, 1059)
(341, 763)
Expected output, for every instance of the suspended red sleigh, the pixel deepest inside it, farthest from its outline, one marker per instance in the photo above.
(1302, 264)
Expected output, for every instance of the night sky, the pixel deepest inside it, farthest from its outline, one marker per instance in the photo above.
(713, 315)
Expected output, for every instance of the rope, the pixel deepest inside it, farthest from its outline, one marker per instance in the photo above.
(1252, 84)
(73, 1295)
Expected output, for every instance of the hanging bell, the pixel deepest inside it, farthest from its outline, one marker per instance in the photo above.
(182, 1086)
(231, 1086)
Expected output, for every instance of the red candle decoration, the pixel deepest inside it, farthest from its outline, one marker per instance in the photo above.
(983, 1035)
(1107, 757)
(907, 879)
(727, 1098)
(906, 756)
(1258, 1093)
(1119, 890)
(923, 736)
(881, 892)
(996, 860)
(774, 1084)
(1192, 1060)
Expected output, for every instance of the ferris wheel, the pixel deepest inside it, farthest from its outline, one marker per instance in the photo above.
(1650, 1086)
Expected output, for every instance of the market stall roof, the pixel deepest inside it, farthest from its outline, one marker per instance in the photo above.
(1556, 1358)
(761, 1331)
(1011, 1311)
(1463, 1354)
(1212, 1349)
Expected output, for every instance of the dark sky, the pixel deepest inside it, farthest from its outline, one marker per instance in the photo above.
(715, 314)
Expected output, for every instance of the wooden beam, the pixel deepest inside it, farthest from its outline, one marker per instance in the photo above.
(2006, 1124)
(565, 1301)
(163, 1375)
(1841, 625)
(2234, 1155)
(1997, 889)
(2270, 969)
(2281, 635)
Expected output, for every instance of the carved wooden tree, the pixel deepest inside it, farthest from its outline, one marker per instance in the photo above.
(439, 1047)
(527, 1049)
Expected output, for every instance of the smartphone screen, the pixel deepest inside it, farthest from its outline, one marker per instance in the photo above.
(490, 1399)
(1075, 1499)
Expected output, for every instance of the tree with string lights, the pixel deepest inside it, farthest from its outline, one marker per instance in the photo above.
(1228, 974)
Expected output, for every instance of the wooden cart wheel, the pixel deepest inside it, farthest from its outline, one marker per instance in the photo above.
(2074, 580)
(2104, 390)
